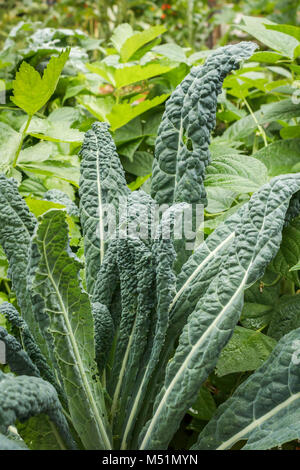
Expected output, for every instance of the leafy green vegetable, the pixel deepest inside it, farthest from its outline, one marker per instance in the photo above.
(183, 137)
(265, 406)
(124, 360)
(247, 350)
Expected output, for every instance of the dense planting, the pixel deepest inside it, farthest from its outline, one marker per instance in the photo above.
(110, 350)
(149, 225)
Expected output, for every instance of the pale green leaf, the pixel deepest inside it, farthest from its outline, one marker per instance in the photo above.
(247, 350)
(122, 113)
(31, 91)
(133, 43)
(276, 40)
(58, 293)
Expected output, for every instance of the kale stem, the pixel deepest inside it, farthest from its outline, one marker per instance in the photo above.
(21, 141)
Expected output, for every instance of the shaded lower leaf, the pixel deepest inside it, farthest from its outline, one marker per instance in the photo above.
(246, 350)
(265, 408)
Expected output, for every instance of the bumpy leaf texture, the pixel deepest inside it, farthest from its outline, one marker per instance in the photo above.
(257, 236)
(23, 397)
(17, 359)
(102, 183)
(181, 150)
(16, 228)
(265, 408)
(31, 346)
(55, 195)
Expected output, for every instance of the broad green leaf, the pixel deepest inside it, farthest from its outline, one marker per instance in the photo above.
(122, 113)
(266, 56)
(210, 224)
(290, 132)
(254, 241)
(271, 156)
(129, 149)
(286, 29)
(66, 168)
(246, 350)
(284, 109)
(296, 267)
(265, 407)
(31, 91)
(37, 153)
(130, 132)
(133, 43)
(59, 294)
(105, 71)
(56, 127)
(39, 207)
(102, 182)
(120, 34)
(171, 51)
(276, 40)
(98, 107)
(9, 143)
(255, 316)
(138, 182)
(141, 165)
(127, 75)
(136, 73)
(219, 199)
(240, 173)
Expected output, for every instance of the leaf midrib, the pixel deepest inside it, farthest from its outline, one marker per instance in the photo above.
(258, 422)
(194, 349)
(79, 364)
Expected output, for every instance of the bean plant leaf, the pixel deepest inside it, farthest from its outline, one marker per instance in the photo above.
(286, 316)
(271, 156)
(240, 173)
(289, 252)
(137, 40)
(31, 91)
(276, 40)
(246, 350)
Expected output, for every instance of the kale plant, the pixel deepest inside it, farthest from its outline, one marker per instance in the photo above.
(112, 354)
